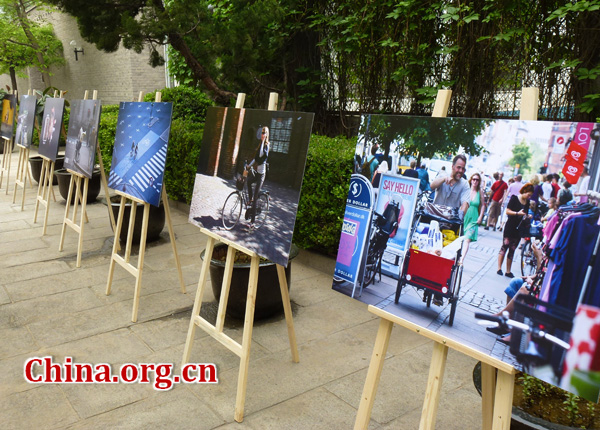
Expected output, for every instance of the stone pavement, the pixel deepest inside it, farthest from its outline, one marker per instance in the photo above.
(48, 307)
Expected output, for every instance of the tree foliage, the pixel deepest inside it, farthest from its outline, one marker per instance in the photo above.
(521, 156)
(337, 58)
(24, 43)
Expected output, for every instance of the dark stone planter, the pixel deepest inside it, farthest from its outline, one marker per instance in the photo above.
(520, 419)
(156, 220)
(35, 163)
(268, 294)
(64, 180)
(2, 146)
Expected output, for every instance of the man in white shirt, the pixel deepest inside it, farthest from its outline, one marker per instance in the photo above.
(582, 189)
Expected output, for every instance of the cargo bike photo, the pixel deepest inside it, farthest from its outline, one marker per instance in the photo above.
(432, 265)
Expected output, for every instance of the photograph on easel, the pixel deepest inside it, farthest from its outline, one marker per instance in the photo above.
(51, 126)
(497, 249)
(249, 177)
(25, 121)
(140, 152)
(82, 136)
(8, 116)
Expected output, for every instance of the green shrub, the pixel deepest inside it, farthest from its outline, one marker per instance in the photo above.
(324, 190)
(106, 133)
(188, 103)
(182, 158)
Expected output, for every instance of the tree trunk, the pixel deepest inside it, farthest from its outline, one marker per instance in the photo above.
(24, 21)
(221, 96)
(13, 79)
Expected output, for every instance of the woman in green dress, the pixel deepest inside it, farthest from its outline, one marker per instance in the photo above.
(474, 214)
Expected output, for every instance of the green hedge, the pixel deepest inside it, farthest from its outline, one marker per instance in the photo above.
(324, 190)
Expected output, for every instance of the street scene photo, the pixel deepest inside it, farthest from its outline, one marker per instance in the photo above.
(249, 177)
(140, 152)
(506, 269)
(25, 121)
(82, 136)
(51, 126)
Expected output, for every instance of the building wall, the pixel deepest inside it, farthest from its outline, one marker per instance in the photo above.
(118, 76)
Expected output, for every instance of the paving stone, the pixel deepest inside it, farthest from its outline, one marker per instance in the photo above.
(16, 340)
(42, 407)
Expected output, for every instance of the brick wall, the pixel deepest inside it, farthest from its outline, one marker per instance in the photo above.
(118, 76)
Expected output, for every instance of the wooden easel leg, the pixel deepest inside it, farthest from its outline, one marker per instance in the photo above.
(140, 267)
(106, 192)
(488, 388)
(81, 224)
(287, 308)
(434, 385)
(172, 237)
(40, 189)
(47, 198)
(367, 399)
(63, 230)
(111, 268)
(189, 341)
(8, 158)
(225, 287)
(503, 400)
(240, 399)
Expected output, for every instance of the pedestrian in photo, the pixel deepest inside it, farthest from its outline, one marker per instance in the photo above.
(505, 199)
(555, 186)
(498, 190)
(259, 161)
(474, 214)
(565, 196)
(411, 172)
(516, 211)
(453, 190)
(423, 178)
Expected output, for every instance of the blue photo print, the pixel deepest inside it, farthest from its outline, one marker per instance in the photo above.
(140, 152)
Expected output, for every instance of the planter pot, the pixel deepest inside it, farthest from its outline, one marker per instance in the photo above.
(35, 163)
(268, 295)
(156, 220)
(520, 420)
(64, 180)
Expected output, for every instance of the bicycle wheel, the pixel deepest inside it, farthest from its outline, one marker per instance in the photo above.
(371, 266)
(262, 210)
(528, 260)
(232, 210)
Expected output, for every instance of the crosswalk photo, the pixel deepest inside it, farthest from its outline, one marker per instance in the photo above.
(140, 152)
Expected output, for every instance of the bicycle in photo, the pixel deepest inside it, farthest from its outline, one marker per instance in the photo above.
(384, 225)
(240, 200)
(528, 259)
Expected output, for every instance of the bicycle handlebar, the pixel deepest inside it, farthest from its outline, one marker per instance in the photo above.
(507, 323)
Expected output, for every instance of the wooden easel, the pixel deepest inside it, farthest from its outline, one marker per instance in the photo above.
(22, 170)
(45, 185)
(6, 160)
(80, 197)
(497, 377)
(216, 331)
(124, 261)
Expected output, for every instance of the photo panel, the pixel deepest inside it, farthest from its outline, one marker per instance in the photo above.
(82, 136)
(25, 121)
(8, 116)
(275, 143)
(140, 152)
(429, 287)
(51, 127)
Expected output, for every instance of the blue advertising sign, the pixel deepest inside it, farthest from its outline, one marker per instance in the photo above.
(360, 194)
(355, 228)
(401, 191)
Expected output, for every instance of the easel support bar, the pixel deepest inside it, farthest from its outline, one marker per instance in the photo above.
(223, 339)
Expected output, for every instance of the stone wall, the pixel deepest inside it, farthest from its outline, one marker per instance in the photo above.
(118, 76)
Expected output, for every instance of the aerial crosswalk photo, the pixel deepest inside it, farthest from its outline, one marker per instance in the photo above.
(140, 151)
